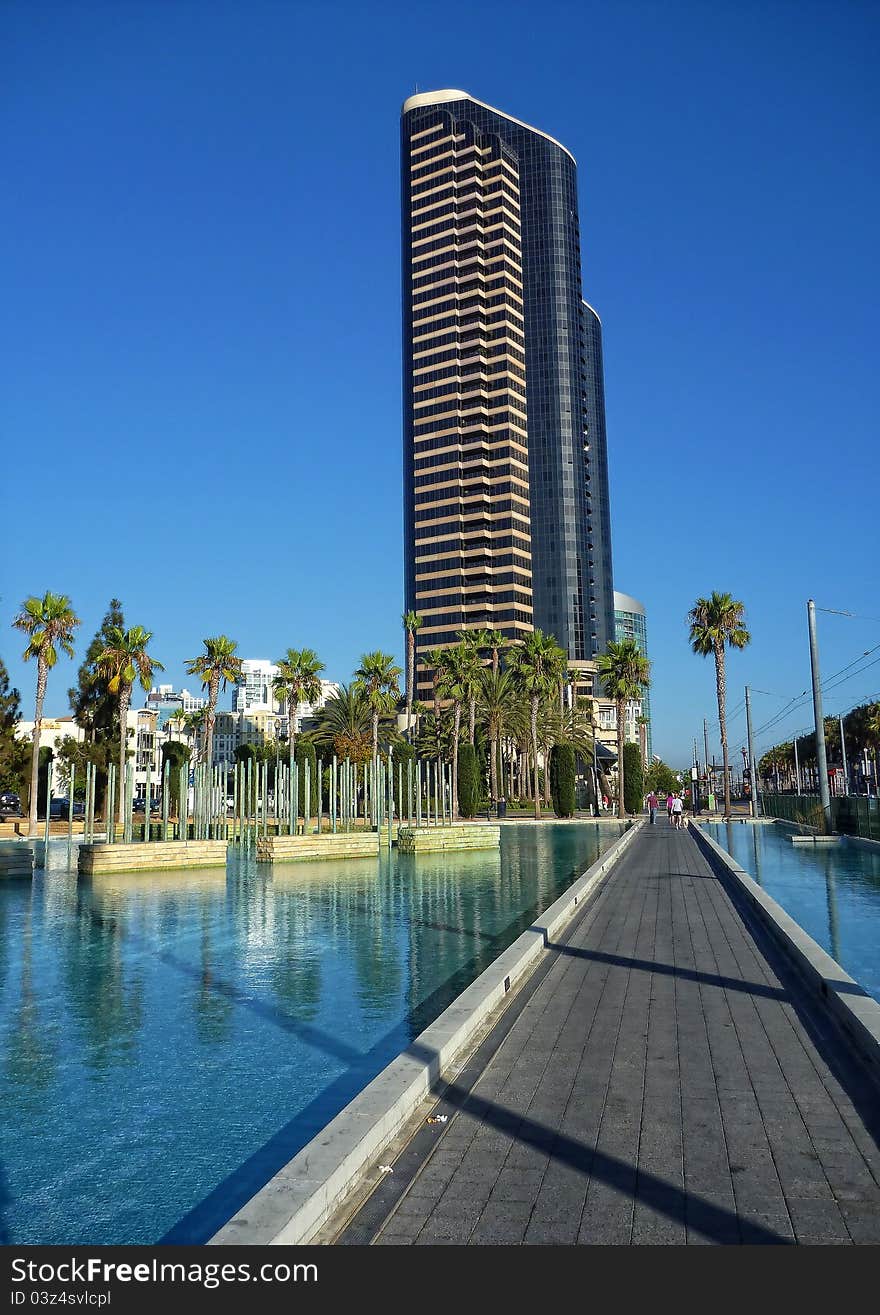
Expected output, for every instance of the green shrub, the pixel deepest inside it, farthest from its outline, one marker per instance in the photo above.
(633, 787)
(562, 779)
(177, 755)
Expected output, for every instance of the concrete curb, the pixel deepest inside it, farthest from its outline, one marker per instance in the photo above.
(856, 1012)
(303, 1195)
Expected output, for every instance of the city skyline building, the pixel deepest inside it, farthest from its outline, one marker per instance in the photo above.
(631, 622)
(507, 517)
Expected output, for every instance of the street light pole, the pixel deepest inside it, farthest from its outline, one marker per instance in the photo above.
(821, 760)
(843, 757)
(756, 811)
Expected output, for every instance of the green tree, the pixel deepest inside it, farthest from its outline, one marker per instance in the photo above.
(562, 779)
(494, 641)
(217, 666)
(124, 661)
(49, 623)
(470, 669)
(538, 664)
(661, 779)
(411, 623)
(94, 708)
(625, 673)
(377, 677)
(298, 681)
(177, 754)
(499, 709)
(469, 783)
(633, 782)
(13, 752)
(717, 623)
(452, 686)
(344, 724)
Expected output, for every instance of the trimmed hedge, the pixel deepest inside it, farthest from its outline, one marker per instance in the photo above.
(562, 779)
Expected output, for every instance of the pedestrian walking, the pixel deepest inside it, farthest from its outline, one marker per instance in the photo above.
(677, 811)
(652, 806)
(669, 802)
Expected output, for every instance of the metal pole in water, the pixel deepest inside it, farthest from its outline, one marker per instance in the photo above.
(70, 805)
(821, 759)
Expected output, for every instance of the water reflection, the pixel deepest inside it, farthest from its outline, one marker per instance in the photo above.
(832, 891)
(213, 1019)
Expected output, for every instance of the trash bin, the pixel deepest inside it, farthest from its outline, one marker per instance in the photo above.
(502, 807)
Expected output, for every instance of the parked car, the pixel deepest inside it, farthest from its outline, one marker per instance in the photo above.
(59, 809)
(10, 805)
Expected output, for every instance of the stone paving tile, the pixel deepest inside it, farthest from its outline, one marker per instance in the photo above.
(658, 1084)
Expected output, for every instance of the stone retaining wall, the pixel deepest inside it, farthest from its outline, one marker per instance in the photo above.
(298, 849)
(16, 859)
(159, 855)
(430, 839)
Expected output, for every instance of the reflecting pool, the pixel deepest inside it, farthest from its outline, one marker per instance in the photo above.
(832, 891)
(170, 1040)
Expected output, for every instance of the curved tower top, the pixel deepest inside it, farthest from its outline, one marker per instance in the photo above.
(439, 97)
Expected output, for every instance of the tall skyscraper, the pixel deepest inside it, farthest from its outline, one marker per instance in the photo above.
(506, 487)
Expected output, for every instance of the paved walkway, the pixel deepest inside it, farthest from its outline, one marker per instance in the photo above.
(659, 1080)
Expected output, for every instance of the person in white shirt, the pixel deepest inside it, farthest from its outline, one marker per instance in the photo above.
(677, 810)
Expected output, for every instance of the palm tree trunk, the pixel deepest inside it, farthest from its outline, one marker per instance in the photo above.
(547, 798)
(213, 690)
(124, 701)
(42, 673)
(472, 717)
(410, 663)
(375, 734)
(621, 713)
(722, 721)
(493, 763)
(535, 755)
(456, 732)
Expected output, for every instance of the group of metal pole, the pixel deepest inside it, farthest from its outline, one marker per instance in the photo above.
(358, 796)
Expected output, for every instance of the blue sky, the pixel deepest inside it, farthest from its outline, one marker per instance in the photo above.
(200, 328)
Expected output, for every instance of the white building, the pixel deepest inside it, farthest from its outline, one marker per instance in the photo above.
(145, 740)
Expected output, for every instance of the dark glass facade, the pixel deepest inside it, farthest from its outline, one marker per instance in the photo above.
(598, 501)
(557, 572)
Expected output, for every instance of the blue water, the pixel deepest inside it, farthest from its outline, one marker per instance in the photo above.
(833, 892)
(169, 1041)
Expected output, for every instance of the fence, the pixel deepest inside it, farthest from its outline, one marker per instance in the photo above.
(851, 815)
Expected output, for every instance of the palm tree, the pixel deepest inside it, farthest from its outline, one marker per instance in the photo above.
(538, 663)
(470, 669)
(411, 623)
(125, 660)
(298, 681)
(717, 622)
(47, 621)
(625, 672)
(377, 677)
(344, 723)
(433, 660)
(454, 674)
(498, 707)
(217, 665)
(494, 641)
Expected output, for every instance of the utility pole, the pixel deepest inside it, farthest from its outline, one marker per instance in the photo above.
(797, 768)
(821, 760)
(756, 811)
(843, 756)
(706, 747)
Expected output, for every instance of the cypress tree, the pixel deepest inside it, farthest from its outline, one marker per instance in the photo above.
(633, 785)
(468, 780)
(562, 779)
